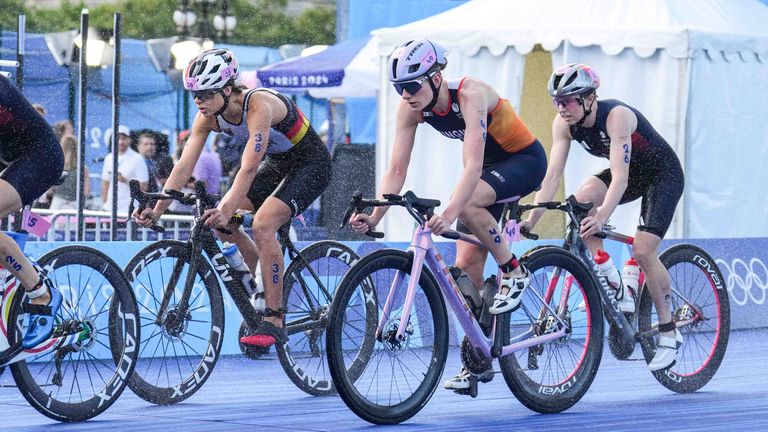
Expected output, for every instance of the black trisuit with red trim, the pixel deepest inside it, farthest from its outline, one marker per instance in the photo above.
(655, 173)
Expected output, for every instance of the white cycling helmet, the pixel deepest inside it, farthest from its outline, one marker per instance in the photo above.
(211, 70)
(571, 79)
(415, 59)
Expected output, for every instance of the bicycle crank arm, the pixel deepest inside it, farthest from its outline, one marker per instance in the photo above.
(299, 326)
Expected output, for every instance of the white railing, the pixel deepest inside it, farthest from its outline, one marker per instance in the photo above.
(98, 226)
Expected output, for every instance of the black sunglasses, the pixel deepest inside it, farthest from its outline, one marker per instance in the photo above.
(203, 95)
(412, 87)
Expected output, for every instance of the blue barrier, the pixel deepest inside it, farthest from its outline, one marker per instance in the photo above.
(742, 262)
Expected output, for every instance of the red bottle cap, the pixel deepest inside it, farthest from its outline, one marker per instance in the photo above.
(631, 261)
(601, 256)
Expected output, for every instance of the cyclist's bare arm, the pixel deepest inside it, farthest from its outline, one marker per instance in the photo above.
(558, 156)
(474, 101)
(620, 125)
(406, 122)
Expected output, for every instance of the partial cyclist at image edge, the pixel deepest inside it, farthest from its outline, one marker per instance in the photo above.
(284, 167)
(642, 165)
(31, 160)
(502, 159)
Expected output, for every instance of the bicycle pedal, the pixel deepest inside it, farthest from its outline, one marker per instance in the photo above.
(471, 391)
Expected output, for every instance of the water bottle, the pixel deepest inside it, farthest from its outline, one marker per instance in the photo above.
(608, 270)
(630, 276)
(235, 260)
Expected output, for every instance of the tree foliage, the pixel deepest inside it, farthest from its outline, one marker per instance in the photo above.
(261, 23)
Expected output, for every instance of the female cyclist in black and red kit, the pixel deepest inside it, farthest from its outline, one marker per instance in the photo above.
(285, 167)
(31, 160)
(642, 165)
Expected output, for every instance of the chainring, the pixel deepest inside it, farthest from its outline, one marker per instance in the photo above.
(473, 359)
(620, 349)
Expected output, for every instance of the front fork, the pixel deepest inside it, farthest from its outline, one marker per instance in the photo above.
(418, 262)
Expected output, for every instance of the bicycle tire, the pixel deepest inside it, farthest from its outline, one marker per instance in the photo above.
(303, 357)
(707, 288)
(557, 394)
(345, 378)
(105, 379)
(193, 352)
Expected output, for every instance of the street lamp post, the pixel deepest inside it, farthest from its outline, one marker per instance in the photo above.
(187, 47)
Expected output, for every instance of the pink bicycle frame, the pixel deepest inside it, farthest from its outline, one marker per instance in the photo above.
(423, 249)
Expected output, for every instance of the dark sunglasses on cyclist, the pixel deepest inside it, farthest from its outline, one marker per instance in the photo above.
(204, 95)
(566, 101)
(412, 87)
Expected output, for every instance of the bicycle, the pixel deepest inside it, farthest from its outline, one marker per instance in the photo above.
(699, 298)
(179, 290)
(411, 334)
(75, 374)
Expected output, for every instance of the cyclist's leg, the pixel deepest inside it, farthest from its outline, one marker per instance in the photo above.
(593, 190)
(12, 257)
(272, 214)
(267, 178)
(23, 180)
(518, 175)
(308, 174)
(658, 208)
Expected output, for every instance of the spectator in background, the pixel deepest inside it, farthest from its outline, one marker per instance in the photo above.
(208, 167)
(230, 152)
(147, 147)
(65, 194)
(163, 168)
(63, 128)
(130, 165)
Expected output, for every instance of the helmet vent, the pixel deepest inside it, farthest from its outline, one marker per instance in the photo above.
(571, 79)
(394, 68)
(413, 68)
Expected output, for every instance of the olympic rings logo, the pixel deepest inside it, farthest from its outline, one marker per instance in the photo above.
(745, 282)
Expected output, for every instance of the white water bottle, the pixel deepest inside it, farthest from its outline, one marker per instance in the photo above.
(630, 276)
(235, 260)
(608, 269)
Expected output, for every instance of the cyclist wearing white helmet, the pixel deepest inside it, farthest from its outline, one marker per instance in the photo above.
(501, 159)
(642, 165)
(285, 167)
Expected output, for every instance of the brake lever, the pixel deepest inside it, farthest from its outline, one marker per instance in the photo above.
(414, 213)
(354, 204)
(528, 234)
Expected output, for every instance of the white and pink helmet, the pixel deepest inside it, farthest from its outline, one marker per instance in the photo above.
(571, 79)
(414, 59)
(211, 70)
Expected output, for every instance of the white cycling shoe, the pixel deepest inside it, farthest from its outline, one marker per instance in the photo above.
(461, 381)
(511, 293)
(666, 352)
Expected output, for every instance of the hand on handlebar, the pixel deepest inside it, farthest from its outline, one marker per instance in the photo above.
(146, 218)
(526, 225)
(591, 225)
(362, 223)
(439, 225)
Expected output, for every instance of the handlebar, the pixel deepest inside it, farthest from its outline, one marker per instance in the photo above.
(576, 212)
(421, 209)
(200, 198)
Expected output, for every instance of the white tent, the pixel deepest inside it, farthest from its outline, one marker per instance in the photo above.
(697, 69)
